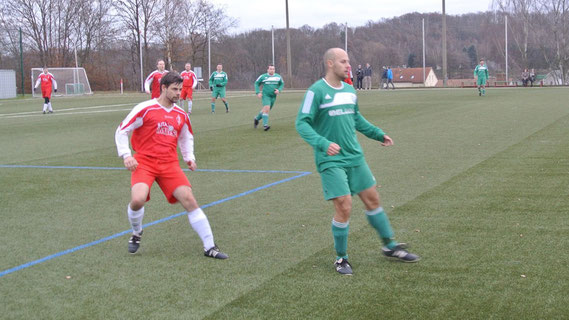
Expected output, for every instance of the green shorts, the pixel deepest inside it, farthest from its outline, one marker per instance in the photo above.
(268, 100)
(218, 92)
(481, 81)
(337, 182)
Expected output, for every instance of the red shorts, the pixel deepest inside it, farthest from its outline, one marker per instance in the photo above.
(186, 93)
(46, 92)
(167, 174)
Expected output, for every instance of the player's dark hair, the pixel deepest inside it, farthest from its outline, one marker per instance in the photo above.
(170, 78)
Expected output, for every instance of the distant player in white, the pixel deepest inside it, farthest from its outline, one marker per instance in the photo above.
(48, 83)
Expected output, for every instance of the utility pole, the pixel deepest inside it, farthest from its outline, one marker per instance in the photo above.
(288, 56)
(21, 63)
(346, 38)
(506, 46)
(445, 75)
(273, 42)
(424, 51)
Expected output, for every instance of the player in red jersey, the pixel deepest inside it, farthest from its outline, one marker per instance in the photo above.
(152, 83)
(158, 126)
(48, 83)
(348, 80)
(190, 83)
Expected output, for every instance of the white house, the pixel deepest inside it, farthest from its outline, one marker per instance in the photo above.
(413, 77)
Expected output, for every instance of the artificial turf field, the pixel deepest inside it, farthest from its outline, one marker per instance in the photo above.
(478, 186)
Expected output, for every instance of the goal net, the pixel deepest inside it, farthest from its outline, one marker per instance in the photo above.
(70, 81)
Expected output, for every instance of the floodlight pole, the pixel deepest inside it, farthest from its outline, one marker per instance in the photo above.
(424, 77)
(506, 46)
(208, 54)
(273, 42)
(444, 46)
(288, 56)
(22, 63)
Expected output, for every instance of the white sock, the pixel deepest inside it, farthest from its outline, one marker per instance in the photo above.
(189, 106)
(44, 107)
(49, 106)
(135, 219)
(200, 224)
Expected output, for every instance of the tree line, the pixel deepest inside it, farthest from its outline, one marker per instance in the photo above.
(107, 36)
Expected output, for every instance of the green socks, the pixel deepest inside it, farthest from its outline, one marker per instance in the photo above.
(259, 116)
(379, 221)
(226, 105)
(213, 107)
(340, 233)
(265, 119)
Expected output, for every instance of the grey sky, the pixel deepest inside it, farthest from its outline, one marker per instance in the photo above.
(261, 14)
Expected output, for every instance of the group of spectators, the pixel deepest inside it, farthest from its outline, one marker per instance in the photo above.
(363, 78)
(528, 76)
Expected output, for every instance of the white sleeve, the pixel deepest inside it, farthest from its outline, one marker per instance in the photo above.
(121, 135)
(38, 82)
(195, 80)
(54, 83)
(148, 82)
(186, 143)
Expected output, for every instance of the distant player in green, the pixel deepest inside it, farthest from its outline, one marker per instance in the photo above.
(481, 76)
(272, 85)
(328, 120)
(217, 83)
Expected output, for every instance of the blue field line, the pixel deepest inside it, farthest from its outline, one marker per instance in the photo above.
(123, 168)
(90, 244)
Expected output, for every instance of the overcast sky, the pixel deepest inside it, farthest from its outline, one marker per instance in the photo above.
(261, 14)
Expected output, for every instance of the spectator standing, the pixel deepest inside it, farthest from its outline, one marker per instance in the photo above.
(525, 77)
(367, 77)
(360, 77)
(389, 78)
(383, 84)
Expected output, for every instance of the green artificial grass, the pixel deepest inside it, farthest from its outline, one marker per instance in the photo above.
(476, 185)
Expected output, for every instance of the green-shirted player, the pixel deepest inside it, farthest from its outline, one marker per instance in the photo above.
(481, 76)
(217, 83)
(272, 85)
(328, 120)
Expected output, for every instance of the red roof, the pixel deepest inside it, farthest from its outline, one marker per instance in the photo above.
(413, 75)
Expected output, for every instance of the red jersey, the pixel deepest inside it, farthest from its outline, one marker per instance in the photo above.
(46, 80)
(190, 79)
(348, 80)
(152, 83)
(156, 132)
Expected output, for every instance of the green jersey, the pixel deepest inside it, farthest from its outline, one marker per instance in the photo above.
(329, 115)
(481, 71)
(270, 84)
(218, 79)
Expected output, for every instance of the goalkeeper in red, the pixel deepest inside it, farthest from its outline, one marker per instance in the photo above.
(481, 76)
(48, 84)
(272, 85)
(328, 120)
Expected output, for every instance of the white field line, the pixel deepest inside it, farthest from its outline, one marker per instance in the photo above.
(69, 111)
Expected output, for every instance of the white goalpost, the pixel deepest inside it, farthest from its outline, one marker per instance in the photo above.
(70, 81)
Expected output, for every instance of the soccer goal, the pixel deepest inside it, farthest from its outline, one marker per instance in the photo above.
(70, 81)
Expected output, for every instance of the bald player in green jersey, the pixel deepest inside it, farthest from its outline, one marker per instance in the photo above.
(481, 76)
(272, 85)
(328, 120)
(217, 83)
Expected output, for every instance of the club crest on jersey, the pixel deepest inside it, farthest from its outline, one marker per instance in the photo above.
(166, 129)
